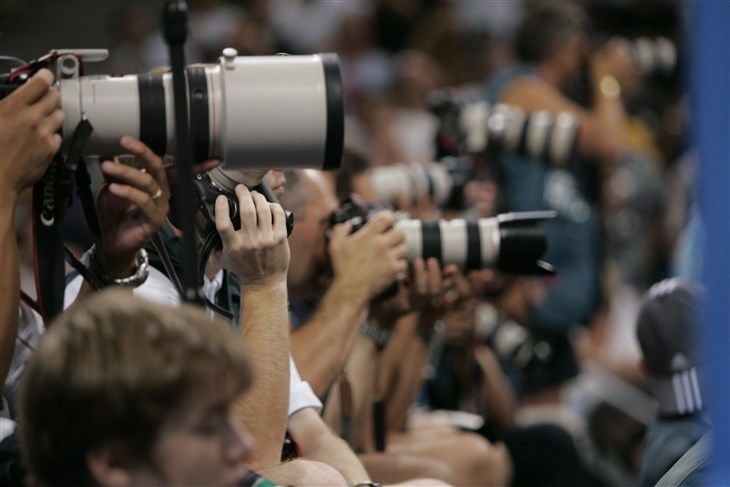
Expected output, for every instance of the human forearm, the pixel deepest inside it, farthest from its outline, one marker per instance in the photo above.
(334, 451)
(318, 443)
(608, 109)
(499, 399)
(363, 364)
(322, 345)
(263, 410)
(10, 283)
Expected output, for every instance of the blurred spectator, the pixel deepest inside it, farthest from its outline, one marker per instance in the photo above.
(552, 45)
(211, 24)
(398, 128)
(395, 20)
(416, 76)
(138, 43)
(367, 71)
(667, 329)
(252, 35)
(307, 26)
(460, 55)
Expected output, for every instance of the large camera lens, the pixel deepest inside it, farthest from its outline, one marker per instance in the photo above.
(542, 135)
(511, 242)
(470, 126)
(407, 180)
(442, 181)
(250, 112)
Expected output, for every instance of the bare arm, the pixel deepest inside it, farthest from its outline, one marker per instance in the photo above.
(335, 321)
(29, 120)
(317, 442)
(258, 254)
(364, 264)
(600, 132)
(9, 285)
(500, 401)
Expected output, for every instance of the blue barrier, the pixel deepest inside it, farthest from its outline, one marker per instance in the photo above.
(710, 97)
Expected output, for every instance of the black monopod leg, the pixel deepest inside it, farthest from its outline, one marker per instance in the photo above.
(175, 22)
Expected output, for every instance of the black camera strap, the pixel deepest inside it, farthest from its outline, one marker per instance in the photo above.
(51, 197)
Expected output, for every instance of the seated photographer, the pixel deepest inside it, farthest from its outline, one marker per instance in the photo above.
(123, 391)
(309, 191)
(257, 255)
(30, 118)
(263, 288)
(483, 350)
(351, 268)
(542, 454)
(393, 377)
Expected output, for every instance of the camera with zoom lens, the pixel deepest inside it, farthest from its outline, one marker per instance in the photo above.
(511, 342)
(469, 126)
(254, 112)
(442, 181)
(512, 243)
(655, 55)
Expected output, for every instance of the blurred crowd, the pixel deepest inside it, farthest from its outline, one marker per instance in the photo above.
(579, 371)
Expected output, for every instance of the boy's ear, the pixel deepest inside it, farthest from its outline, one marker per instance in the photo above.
(110, 466)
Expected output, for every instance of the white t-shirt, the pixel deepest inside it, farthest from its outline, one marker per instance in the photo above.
(160, 289)
(30, 329)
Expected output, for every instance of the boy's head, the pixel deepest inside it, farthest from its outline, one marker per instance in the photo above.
(666, 328)
(122, 391)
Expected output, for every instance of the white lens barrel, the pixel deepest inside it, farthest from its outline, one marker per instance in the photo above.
(251, 112)
(409, 179)
(109, 103)
(273, 111)
(563, 139)
(469, 244)
(538, 126)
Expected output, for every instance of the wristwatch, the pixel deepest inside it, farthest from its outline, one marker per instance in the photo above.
(135, 280)
(366, 483)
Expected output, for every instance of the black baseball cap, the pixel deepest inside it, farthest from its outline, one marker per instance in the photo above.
(667, 328)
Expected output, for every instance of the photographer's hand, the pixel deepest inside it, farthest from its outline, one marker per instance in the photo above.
(132, 206)
(368, 261)
(423, 291)
(258, 253)
(30, 118)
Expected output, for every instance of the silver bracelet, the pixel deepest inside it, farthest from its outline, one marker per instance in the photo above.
(135, 280)
(379, 336)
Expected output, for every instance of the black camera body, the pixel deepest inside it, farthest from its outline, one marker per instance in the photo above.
(208, 187)
(356, 213)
